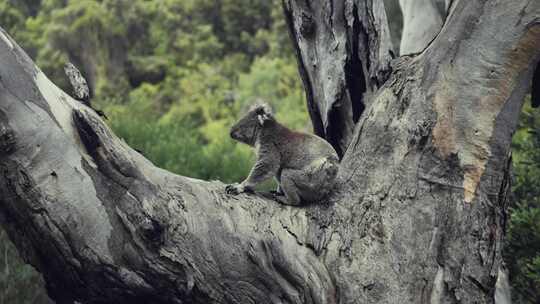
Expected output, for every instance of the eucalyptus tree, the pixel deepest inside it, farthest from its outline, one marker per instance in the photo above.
(419, 214)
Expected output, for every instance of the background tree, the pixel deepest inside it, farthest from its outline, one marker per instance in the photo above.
(208, 121)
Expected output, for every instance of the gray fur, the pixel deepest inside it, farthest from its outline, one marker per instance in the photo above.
(304, 165)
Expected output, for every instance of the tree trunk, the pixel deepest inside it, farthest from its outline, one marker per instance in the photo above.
(419, 215)
(344, 52)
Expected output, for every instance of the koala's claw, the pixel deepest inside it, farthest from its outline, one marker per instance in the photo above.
(234, 189)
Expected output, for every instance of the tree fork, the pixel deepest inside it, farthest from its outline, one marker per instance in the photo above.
(419, 215)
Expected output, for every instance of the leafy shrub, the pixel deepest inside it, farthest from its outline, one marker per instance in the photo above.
(522, 252)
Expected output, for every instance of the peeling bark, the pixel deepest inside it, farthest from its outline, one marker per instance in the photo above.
(81, 91)
(419, 215)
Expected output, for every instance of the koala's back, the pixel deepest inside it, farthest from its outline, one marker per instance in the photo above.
(299, 149)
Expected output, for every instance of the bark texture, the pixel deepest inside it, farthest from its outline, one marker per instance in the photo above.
(419, 215)
(422, 21)
(344, 52)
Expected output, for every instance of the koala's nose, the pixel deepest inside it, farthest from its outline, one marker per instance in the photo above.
(231, 134)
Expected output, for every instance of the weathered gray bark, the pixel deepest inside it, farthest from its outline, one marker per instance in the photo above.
(418, 217)
(422, 21)
(344, 52)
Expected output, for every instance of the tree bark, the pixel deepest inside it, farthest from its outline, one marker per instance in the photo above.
(419, 215)
(422, 21)
(344, 52)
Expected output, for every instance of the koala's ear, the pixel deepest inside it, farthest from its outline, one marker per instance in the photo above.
(266, 108)
(262, 118)
(263, 108)
(264, 113)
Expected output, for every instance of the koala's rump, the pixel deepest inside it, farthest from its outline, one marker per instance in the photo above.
(302, 150)
(317, 179)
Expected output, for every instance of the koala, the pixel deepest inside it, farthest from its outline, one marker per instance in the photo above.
(304, 165)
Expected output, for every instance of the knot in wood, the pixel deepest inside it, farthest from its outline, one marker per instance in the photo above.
(152, 231)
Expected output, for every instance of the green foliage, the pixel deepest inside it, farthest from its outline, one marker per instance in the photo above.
(188, 134)
(276, 81)
(12, 18)
(178, 145)
(18, 281)
(523, 239)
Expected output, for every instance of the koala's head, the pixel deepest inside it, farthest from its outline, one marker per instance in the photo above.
(246, 129)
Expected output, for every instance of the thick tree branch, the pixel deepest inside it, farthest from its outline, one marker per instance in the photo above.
(105, 226)
(419, 215)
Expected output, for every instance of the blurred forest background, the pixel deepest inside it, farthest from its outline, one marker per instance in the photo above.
(172, 76)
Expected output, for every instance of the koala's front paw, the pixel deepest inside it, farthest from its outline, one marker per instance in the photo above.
(235, 189)
(277, 193)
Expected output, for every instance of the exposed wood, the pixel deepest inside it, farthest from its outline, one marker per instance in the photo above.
(502, 288)
(419, 215)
